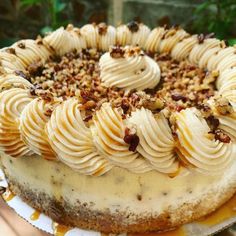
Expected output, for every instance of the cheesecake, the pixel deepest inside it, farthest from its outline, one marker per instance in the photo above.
(119, 129)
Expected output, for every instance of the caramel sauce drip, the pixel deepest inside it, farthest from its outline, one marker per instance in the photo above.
(8, 196)
(35, 215)
(225, 212)
(59, 230)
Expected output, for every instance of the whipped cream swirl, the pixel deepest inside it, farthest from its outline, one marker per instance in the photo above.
(226, 84)
(197, 148)
(10, 62)
(156, 141)
(108, 136)
(221, 55)
(72, 140)
(32, 126)
(136, 71)
(182, 49)
(11, 80)
(133, 33)
(171, 38)
(62, 41)
(199, 49)
(154, 39)
(12, 101)
(29, 51)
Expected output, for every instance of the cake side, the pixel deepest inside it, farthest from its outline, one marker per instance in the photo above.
(148, 206)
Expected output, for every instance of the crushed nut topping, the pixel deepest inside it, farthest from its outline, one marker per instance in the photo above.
(182, 84)
(102, 28)
(11, 51)
(223, 106)
(221, 136)
(133, 26)
(131, 138)
(117, 52)
(213, 122)
(21, 45)
(35, 68)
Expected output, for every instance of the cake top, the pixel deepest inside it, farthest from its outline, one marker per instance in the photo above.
(100, 96)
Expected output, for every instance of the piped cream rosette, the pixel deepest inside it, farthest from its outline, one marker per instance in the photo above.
(156, 144)
(72, 140)
(197, 147)
(13, 102)
(129, 68)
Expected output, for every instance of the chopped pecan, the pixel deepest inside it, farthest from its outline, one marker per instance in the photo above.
(133, 26)
(117, 52)
(102, 28)
(223, 106)
(132, 139)
(222, 137)
(213, 122)
(21, 45)
(11, 51)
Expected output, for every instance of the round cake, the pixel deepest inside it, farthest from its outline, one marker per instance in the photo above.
(120, 129)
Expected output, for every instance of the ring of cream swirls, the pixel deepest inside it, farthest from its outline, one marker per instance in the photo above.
(94, 148)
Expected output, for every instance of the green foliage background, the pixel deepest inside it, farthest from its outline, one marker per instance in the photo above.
(28, 18)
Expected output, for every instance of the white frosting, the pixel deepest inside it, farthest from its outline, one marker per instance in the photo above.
(182, 49)
(106, 38)
(66, 40)
(75, 39)
(12, 101)
(123, 35)
(156, 141)
(200, 48)
(10, 62)
(215, 60)
(226, 84)
(227, 63)
(212, 52)
(171, 38)
(154, 39)
(89, 31)
(72, 140)
(12, 80)
(209, 156)
(108, 136)
(129, 72)
(32, 126)
(29, 51)
(226, 80)
(139, 38)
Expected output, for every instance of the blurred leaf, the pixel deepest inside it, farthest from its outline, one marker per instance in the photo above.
(202, 7)
(59, 6)
(7, 42)
(46, 29)
(26, 3)
(232, 42)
